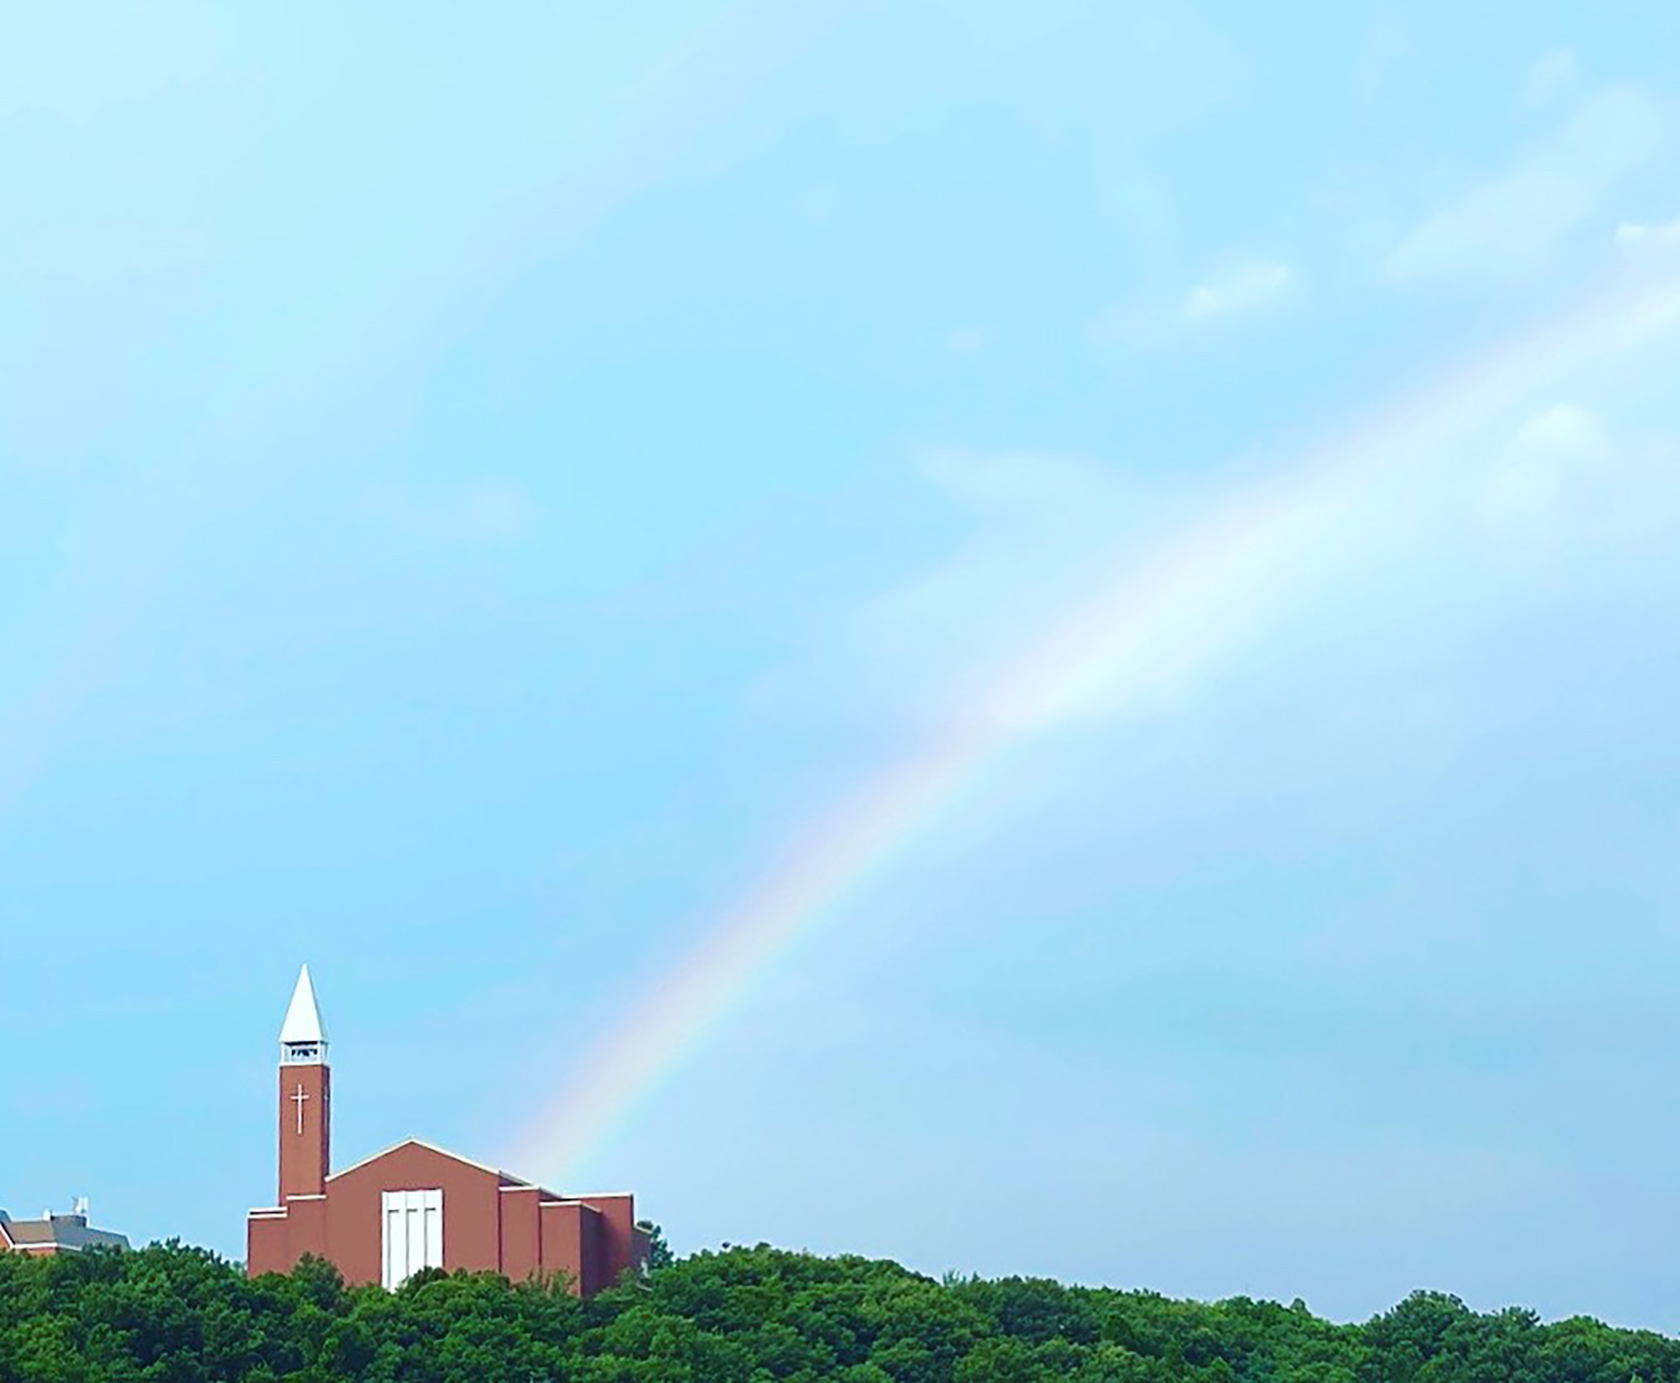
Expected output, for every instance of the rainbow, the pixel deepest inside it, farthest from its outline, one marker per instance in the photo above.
(1200, 580)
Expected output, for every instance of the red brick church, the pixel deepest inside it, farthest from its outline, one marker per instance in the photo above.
(416, 1206)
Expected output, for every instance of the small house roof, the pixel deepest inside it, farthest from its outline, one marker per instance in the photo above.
(59, 1231)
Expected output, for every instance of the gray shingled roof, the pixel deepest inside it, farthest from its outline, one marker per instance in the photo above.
(64, 1231)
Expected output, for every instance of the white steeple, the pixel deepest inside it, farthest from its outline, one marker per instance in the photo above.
(303, 1036)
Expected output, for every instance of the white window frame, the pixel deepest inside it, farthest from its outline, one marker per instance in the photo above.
(410, 1234)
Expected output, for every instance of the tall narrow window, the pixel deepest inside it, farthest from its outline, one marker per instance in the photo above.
(411, 1235)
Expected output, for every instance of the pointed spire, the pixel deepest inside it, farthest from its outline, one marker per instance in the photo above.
(303, 1035)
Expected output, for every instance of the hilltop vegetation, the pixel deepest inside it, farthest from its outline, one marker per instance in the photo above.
(746, 1316)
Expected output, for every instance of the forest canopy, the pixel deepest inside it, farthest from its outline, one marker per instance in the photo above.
(747, 1316)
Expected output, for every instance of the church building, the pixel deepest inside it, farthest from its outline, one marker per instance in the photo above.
(414, 1205)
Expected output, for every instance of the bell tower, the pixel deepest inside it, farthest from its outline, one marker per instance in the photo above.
(305, 1096)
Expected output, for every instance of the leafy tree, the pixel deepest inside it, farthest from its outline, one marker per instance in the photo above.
(659, 1252)
(755, 1315)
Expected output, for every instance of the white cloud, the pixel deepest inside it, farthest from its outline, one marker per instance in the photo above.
(1564, 429)
(1248, 286)
(1544, 471)
(1031, 533)
(1637, 236)
(1516, 223)
(1569, 480)
(1038, 536)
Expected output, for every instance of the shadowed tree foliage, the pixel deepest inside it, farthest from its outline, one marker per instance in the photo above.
(659, 1252)
(747, 1316)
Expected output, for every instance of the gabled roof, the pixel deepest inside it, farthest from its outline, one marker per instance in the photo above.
(505, 1177)
(303, 1016)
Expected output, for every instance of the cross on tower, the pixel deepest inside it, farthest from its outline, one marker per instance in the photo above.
(298, 1098)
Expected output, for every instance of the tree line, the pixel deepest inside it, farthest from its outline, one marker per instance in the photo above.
(171, 1312)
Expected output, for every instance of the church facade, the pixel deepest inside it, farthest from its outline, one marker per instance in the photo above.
(414, 1205)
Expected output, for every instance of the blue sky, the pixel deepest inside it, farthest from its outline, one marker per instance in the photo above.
(473, 490)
